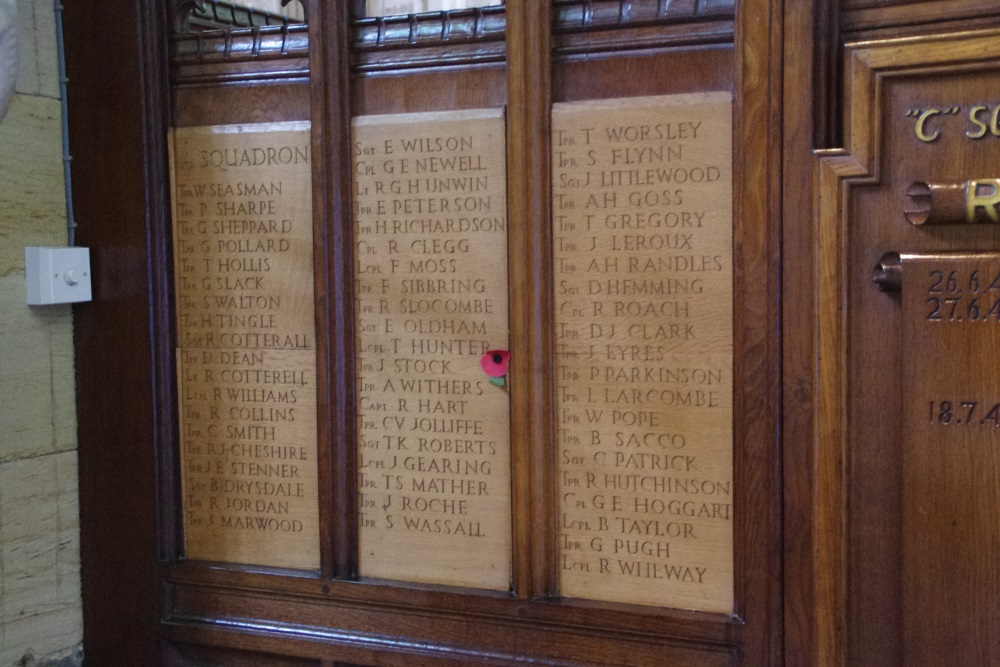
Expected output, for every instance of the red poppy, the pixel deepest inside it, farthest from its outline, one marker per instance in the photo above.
(495, 363)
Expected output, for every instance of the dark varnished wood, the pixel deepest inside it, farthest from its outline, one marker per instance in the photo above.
(221, 104)
(581, 29)
(434, 39)
(217, 603)
(368, 626)
(571, 15)
(814, 209)
(858, 518)
(353, 654)
(533, 451)
(698, 70)
(315, 600)
(676, 36)
(479, 88)
(757, 192)
(864, 19)
(334, 259)
(803, 122)
(275, 54)
(241, 44)
(186, 655)
(121, 338)
(876, 539)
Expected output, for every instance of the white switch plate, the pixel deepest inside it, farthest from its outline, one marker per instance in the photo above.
(57, 275)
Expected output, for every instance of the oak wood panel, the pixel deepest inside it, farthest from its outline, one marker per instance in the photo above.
(858, 521)
(950, 499)
(803, 119)
(371, 634)
(406, 336)
(878, 516)
(645, 39)
(211, 337)
(118, 117)
(358, 654)
(257, 98)
(700, 70)
(457, 38)
(480, 88)
(529, 88)
(225, 105)
(751, 73)
(186, 655)
(592, 401)
(435, 90)
(310, 595)
(203, 72)
(556, 633)
(334, 262)
(757, 444)
(585, 15)
(899, 19)
(913, 6)
(271, 54)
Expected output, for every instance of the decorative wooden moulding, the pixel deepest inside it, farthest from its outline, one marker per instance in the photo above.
(246, 354)
(583, 27)
(603, 14)
(460, 37)
(642, 195)
(430, 212)
(268, 42)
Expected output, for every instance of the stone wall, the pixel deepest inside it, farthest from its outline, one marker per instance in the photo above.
(40, 619)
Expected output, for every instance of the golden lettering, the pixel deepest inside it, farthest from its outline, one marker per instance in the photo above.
(982, 194)
(922, 122)
(983, 129)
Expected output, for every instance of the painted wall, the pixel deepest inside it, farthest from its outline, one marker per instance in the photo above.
(40, 620)
(293, 10)
(392, 7)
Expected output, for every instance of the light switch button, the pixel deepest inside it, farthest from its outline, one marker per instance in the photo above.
(57, 275)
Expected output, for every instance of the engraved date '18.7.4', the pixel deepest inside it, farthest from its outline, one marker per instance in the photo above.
(964, 413)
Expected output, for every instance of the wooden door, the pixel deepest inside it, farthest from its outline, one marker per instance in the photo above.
(159, 591)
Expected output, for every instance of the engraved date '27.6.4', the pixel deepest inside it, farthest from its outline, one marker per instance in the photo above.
(954, 296)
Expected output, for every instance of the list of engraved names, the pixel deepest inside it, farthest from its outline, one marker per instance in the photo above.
(642, 232)
(431, 298)
(246, 350)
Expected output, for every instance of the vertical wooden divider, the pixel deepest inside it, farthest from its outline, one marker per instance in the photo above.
(529, 100)
(757, 327)
(329, 55)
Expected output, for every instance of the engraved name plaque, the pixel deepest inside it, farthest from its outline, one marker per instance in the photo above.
(431, 300)
(246, 359)
(642, 197)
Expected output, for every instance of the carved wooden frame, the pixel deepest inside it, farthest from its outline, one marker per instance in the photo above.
(867, 66)
(313, 616)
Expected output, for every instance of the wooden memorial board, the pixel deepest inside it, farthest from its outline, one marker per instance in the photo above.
(951, 456)
(246, 357)
(642, 197)
(431, 299)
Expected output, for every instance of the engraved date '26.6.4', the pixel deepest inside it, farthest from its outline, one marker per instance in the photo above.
(957, 296)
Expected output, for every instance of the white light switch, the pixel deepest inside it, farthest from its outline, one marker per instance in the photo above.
(57, 275)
